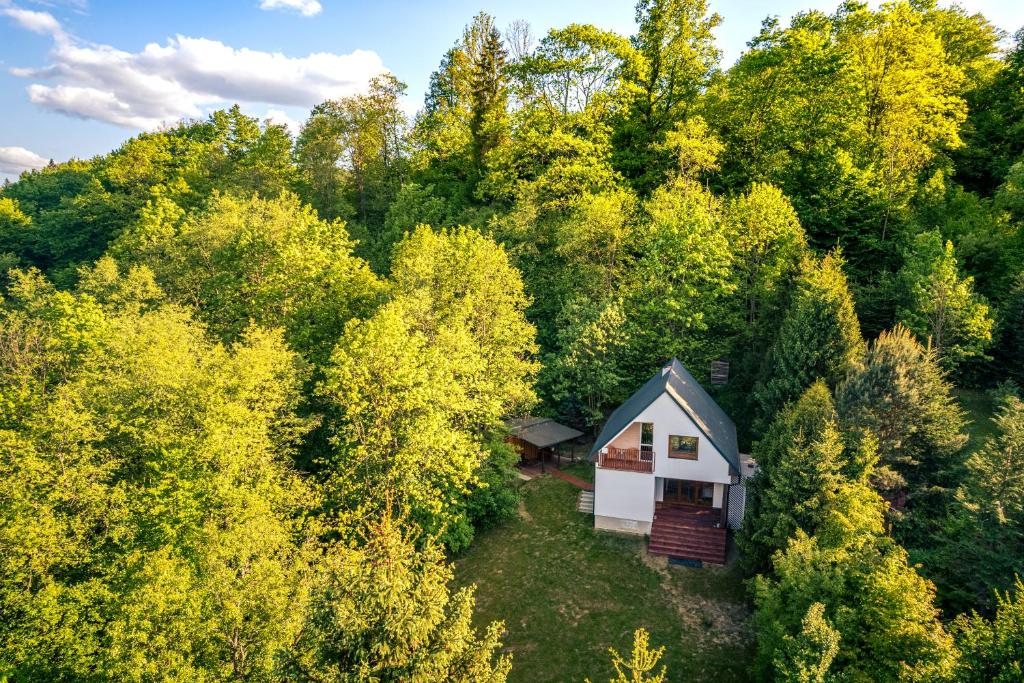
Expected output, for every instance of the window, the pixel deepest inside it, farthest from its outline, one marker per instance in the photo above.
(647, 440)
(684, 447)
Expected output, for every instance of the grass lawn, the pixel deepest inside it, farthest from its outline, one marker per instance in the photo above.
(581, 470)
(567, 593)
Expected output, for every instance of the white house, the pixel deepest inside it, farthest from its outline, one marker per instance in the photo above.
(666, 461)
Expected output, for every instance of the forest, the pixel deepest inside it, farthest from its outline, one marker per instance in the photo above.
(253, 387)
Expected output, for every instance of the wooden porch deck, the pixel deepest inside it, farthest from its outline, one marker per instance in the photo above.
(627, 460)
(688, 532)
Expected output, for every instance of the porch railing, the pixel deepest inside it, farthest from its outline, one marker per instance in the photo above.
(627, 459)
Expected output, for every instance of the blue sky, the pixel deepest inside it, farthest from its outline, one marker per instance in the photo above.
(77, 77)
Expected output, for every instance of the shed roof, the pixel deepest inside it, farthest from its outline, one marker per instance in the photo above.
(677, 381)
(542, 432)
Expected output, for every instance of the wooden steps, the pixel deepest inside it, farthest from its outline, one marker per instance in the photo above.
(682, 534)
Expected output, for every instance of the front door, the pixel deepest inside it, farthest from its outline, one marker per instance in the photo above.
(689, 492)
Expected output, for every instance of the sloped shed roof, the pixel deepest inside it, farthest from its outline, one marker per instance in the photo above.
(691, 397)
(542, 432)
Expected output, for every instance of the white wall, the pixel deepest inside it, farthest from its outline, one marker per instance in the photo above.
(624, 495)
(670, 419)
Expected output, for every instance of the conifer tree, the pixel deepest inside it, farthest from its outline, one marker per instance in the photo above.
(876, 603)
(489, 90)
(1009, 350)
(806, 657)
(801, 465)
(993, 650)
(980, 547)
(940, 306)
(901, 396)
(640, 666)
(819, 337)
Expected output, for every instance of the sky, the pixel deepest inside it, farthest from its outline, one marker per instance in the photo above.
(78, 77)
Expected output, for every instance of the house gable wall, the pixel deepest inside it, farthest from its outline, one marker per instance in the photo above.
(670, 419)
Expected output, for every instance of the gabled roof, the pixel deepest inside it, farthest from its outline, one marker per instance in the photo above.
(542, 432)
(691, 397)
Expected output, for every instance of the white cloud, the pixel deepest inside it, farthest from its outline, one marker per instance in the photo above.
(185, 78)
(306, 8)
(14, 160)
(37, 22)
(282, 118)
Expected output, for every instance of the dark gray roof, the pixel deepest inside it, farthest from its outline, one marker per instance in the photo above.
(691, 397)
(542, 432)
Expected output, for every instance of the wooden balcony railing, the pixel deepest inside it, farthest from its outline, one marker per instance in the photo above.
(627, 459)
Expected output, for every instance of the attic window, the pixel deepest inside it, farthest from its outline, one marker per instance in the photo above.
(683, 447)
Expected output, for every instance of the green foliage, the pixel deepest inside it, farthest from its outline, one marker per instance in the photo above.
(939, 306)
(767, 244)
(461, 283)
(495, 497)
(806, 657)
(901, 396)
(351, 153)
(572, 71)
(678, 292)
(671, 61)
(846, 114)
(268, 261)
(402, 419)
(993, 650)
(996, 482)
(818, 338)
(695, 147)
(15, 232)
(587, 377)
(552, 161)
(383, 612)
(152, 523)
(802, 465)
(874, 601)
(78, 208)
(639, 203)
(979, 549)
(417, 386)
(1009, 351)
(643, 661)
(995, 122)
(465, 115)
(413, 206)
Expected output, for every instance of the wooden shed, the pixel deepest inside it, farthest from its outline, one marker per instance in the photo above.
(539, 438)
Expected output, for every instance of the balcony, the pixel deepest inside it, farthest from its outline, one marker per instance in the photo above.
(627, 459)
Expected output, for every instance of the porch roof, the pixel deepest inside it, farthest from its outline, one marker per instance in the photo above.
(542, 432)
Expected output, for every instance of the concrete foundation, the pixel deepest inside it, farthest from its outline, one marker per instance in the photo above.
(626, 526)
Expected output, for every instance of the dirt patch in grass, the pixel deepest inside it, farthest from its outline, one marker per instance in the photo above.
(567, 593)
(721, 622)
(524, 514)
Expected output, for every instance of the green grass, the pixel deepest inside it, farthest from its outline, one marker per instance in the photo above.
(580, 469)
(979, 408)
(567, 593)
